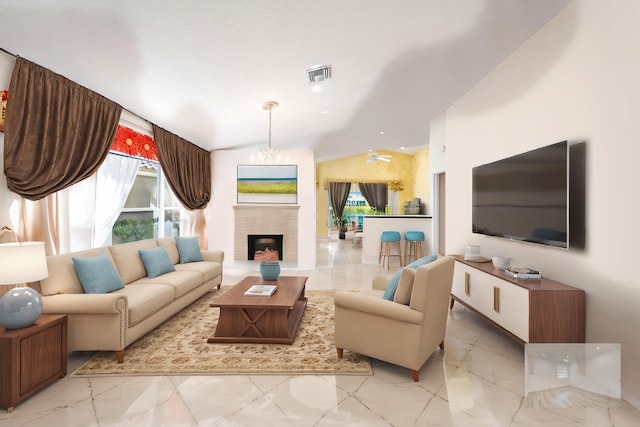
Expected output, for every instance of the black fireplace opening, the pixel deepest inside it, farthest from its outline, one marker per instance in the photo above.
(264, 247)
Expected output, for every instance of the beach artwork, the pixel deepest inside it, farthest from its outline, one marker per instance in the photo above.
(268, 184)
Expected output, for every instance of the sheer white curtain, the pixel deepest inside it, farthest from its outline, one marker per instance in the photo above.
(115, 179)
(76, 213)
(87, 210)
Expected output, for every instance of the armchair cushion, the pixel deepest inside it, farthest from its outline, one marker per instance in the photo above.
(390, 292)
(405, 286)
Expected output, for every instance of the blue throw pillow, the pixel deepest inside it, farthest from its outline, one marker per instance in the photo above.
(392, 285)
(189, 249)
(156, 261)
(97, 274)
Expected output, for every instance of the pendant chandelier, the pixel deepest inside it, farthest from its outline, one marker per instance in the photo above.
(269, 155)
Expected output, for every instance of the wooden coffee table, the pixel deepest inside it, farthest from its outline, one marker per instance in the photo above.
(256, 319)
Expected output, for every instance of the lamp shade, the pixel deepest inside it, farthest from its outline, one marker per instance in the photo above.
(22, 263)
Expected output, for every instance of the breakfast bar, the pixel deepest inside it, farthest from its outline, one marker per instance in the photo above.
(374, 225)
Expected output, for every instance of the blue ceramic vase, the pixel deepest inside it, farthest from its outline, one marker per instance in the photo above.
(269, 270)
(20, 307)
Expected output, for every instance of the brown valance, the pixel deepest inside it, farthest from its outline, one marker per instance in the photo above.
(186, 166)
(57, 132)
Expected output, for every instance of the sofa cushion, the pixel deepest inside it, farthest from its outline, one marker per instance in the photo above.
(169, 243)
(97, 274)
(156, 261)
(405, 286)
(189, 249)
(390, 292)
(144, 300)
(63, 278)
(182, 282)
(207, 269)
(128, 261)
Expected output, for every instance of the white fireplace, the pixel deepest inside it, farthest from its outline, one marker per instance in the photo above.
(266, 220)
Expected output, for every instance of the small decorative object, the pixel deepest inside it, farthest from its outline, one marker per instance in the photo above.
(269, 270)
(21, 263)
(501, 262)
(4, 95)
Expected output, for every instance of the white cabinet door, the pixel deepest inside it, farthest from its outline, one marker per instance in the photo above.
(472, 286)
(503, 302)
(510, 307)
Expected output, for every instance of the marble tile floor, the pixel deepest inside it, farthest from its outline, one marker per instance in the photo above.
(477, 381)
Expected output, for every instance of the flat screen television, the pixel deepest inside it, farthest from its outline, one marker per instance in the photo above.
(524, 197)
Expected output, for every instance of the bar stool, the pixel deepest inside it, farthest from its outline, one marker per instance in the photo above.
(413, 246)
(387, 240)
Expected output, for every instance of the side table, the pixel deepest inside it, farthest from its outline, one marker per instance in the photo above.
(31, 358)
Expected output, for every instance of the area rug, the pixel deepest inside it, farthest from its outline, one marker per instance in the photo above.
(179, 347)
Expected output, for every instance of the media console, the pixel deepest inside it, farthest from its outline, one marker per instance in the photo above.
(526, 310)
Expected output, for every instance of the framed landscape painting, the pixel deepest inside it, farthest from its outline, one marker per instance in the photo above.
(268, 184)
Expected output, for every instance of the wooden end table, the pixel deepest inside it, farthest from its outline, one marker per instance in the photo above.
(31, 358)
(261, 319)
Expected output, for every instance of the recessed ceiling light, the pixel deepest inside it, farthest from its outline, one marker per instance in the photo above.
(381, 132)
(403, 148)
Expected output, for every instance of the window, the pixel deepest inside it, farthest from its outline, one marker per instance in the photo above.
(151, 209)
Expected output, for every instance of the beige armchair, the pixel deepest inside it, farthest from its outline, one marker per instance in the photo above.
(405, 335)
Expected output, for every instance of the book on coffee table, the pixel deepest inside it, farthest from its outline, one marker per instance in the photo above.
(261, 290)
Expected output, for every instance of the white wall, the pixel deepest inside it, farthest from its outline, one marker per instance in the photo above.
(220, 219)
(437, 144)
(576, 79)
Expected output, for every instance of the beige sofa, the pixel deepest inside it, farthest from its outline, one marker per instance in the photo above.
(405, 331)
(112, 321)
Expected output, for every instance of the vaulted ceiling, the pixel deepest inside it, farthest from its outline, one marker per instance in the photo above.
(203, 68)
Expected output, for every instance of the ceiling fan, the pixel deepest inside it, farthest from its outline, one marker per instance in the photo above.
(374, 157)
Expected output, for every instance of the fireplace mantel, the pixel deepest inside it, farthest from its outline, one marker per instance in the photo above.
(266, 219)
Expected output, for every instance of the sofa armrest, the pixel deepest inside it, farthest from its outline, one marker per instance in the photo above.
(377, 306)
(213, 256)
(111, 303)
(379, 282)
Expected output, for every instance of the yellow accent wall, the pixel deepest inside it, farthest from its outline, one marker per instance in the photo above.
(411, 169)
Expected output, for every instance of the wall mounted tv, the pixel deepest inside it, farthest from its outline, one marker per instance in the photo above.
(524, 197)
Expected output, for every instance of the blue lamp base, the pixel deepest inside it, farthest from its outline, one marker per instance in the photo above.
(19, 308)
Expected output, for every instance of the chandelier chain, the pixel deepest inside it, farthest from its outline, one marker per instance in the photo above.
(269, 155)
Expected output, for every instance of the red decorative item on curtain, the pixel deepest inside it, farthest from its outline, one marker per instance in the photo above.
(128, 141)
(4, 95)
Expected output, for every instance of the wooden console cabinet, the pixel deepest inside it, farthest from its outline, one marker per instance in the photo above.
(527, 310)
(31, 358)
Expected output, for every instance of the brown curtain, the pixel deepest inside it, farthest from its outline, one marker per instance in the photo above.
(188, 171)
(338, 194)
(57, 132)
(376, 195)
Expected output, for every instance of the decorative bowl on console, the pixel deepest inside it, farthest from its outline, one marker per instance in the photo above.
(501, 262)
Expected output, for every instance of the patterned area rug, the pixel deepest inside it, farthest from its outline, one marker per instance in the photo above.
(179, 347)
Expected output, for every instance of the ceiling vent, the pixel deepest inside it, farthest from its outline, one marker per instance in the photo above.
(318, 74)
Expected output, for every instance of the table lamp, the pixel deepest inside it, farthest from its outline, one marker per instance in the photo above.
(21, 263)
